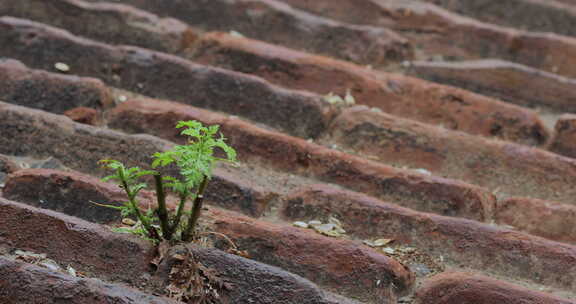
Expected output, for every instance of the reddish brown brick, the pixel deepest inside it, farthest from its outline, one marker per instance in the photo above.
(455, 288)
(95, 251)
(161, 75)
(461, 243)
(49, 91)
(87, 247)
(107, 22)
(507, 81)
(533, 15)
(278, 23)
(511, 169)
(7, 165)
(394, 94)
(40, 134)
(564, 136)
(84, 115)
(347, 267)
(548, 219)
(258, 283)
(67, 192)
(255, 144)
(26, 284)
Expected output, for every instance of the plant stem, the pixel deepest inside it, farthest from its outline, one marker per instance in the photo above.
(179, 212)
(161, 211)
(196, 210)
(131, 198)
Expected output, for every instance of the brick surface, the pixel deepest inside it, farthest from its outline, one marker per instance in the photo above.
(50, 91)
(298, 156)
(453, 288)
(547, 219)
(95, 250)
(350, 268)
(534, 15)
(507, 81)
(564, 136)
(461, 243)
(449, 36)
(276, 22)
(108, 22)
(394, 94)
(71, 193)
(30, 284)
(84, 115)
(254, 282)
(511, 169)
(87, 247)
(80, 147)
(166, 76)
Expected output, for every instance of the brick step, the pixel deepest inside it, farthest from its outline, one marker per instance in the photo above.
(289, 154)
(161, 75)
(563, 140)
(446, 35)
(69, 191)
(548, 219)
(25, 283)
(462, 244)
(96, 251)
(278, 23)
(393, 93)
(34, 133)
(341, 265)
(51, 92)
(534, 15)
(504, 80)
(108, 22)
(457, 287)
(507, 168)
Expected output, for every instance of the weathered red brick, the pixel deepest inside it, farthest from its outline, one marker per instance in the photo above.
(548, 219)
(439, 32)
(461, 243)
(161, 75)
(254, 282)
(533, 15)
(95, 251)
(107, 22)
(50, 91)
(507, 81)
(40, 134)
(347, 267)
(564, 136)
(7, 165)
(71, 193)
(455, 288)
(84, 115)
(29, 284)
(276, 22)
(257, 145)
(394, 94)
(85, 246)
(510, 168)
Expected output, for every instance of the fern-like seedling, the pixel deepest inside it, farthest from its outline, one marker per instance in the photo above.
(195, 162)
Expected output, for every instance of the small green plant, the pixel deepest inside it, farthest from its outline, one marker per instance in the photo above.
(195, 162)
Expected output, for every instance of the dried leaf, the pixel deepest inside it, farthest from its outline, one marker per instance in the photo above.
(382, 242)
(300, 224)
(314, 223)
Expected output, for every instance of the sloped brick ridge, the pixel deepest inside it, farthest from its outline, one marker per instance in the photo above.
(447, 168)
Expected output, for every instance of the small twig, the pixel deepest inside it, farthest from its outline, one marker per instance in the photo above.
(225, 237)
